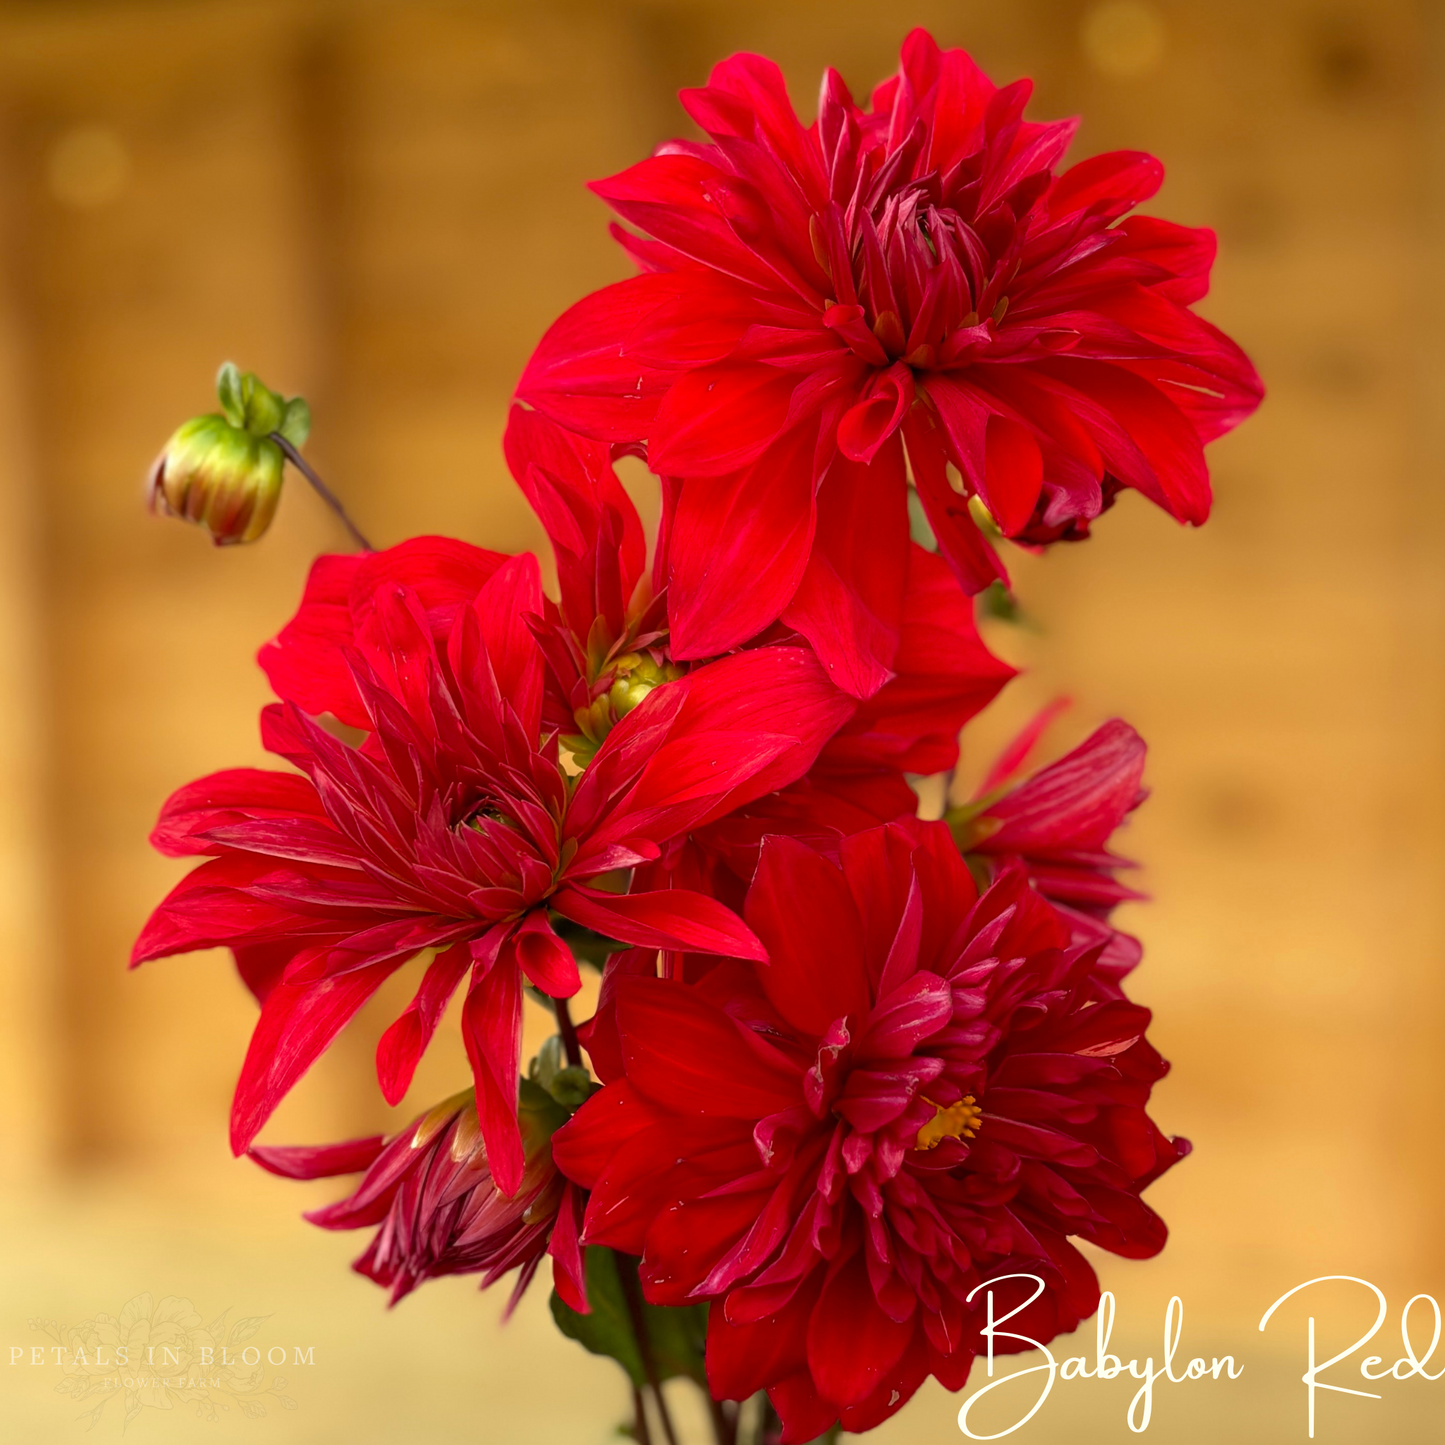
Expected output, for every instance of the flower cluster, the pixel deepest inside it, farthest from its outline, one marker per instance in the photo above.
(845, 1066)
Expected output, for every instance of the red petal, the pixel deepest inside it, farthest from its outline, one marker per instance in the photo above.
(545, 959)
(297, 1023)
(737, 548)
(689, 1056)
(400, 1048)
(579, 375)
(718, 418)
(492, 1032)
(801, 908)
(667, 918)
(852, 1344)
(318, 1161)
(849, 604)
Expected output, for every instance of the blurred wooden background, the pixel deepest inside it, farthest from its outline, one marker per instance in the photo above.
(380, 204)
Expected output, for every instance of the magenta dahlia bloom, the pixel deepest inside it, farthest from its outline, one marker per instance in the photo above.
(438, 1209)
(919, 1091)
(451, 834)
(910, 277)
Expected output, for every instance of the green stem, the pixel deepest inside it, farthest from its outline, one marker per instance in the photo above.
(321, 489)
(568, 1030)
(641, 1430)
(632, 1291)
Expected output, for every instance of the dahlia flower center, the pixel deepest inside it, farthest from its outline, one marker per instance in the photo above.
(950, 1121)
(922, 273)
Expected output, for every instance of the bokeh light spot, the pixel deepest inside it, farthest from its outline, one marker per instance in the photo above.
(1123, 38)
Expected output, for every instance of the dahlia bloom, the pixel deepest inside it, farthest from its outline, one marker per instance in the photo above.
(439, 1210)
(913, 277)
(1057, 825)
(451, 833)
(919, 1091)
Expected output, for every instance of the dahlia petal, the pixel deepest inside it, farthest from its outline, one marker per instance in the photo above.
(580, 376)
(801, 909)
(944, 675)
(870, 422)
(852, 1344)
(665, 918)
(894, 1391)
(609, 1120)
(745, 1358)
(544, 958)
(1108, 184)
(690, 1056)
(297, 1024)
(235, 794)
(590, 520)
(502, 606)
(318, 1161)
(850, 601)
(1013, 473)
(1184, 253)
(805, 1414)
(568, 1271)
(715, 419)
(1157, 432)
(400, 1048)
(702, 747)
(737, 549)
(963, 546)
(492, 1032)
(1077, 802)
(675, 197)
(303, 662)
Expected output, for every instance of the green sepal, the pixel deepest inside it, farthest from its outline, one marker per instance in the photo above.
(296, 422)
(228, 389)
(677, 1336)
(570, 1085)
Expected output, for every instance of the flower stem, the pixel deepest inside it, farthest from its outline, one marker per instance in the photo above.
(321, 489)
(724, 1422)
(641, 1430)
(568, 1030)
(632, 1290)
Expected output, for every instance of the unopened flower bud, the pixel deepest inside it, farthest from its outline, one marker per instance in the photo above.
(223, 471)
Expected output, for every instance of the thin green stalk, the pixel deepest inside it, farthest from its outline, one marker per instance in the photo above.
(632, 1291)
(321, 489)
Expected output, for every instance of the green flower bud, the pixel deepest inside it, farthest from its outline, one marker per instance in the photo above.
(224, 471)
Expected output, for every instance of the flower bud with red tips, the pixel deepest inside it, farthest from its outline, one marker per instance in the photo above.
(431, 1191)
(223, 471)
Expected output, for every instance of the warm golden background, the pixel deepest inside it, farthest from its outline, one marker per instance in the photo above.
(381, 205)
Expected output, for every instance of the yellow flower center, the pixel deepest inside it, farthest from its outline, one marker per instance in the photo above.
(951, 1121)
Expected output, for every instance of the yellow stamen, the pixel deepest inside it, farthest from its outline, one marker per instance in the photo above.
(953, 1121)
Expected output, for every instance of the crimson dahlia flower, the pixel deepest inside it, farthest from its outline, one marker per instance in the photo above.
(921, 1090)
(1057, 825)
(439, 1210)
(911, 276)
(451, 832)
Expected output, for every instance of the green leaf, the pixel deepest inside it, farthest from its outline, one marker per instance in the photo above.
(676, 1336)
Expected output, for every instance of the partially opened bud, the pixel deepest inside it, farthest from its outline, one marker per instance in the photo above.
(439, 1210)
(223, 472)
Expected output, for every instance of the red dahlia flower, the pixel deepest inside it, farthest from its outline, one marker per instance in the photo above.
(912, 272)
(440, 1212)
(1057, 825)
(451, 832)
(918, 1092)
